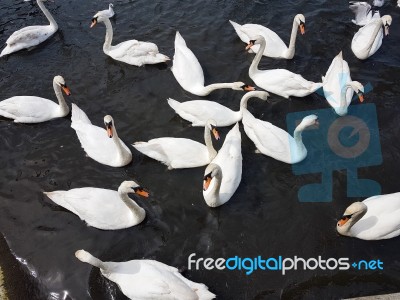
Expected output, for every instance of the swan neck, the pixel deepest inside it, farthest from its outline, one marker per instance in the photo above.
(254, 65)
(215, 86)
(109, 36)
(214, 199)
(136, 210)
(297, 135)
(64, 109)
(94, 261)
(209, 144)
(292, 43)
(343, 101)
(117, 142)
(345, 229)
(49, 17)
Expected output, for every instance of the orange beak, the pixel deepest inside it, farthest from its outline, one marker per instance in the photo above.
(142, 192)
(216, 134)
(206, 183)
(248, 88)
(302, 28)
(249, 45)
(94, 22)
(66, 90)
(361, 97)
(343, 221)
(109, 131)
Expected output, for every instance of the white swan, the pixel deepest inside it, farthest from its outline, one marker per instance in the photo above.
(108, 13)
(199, 111)
(338, 86)
(144, 279)
(189, 74)
(32, 109)
(31, 36)
(368, 39)
(101, 208)
(276, 47)
(374, 218)
(275, 142)
(378, 3)
(278, 81)
(103, 146)
(178, 153)
(223, 175)
(363, 13)
(131, 52)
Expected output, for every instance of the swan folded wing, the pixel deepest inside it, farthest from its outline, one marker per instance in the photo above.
(271, 137)
(199, 111)
(29, 37)
(134, 48)
(363, 35)
(27, 108)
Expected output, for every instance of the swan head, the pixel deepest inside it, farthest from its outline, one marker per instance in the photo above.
(351, 215)
(387, 21)
(212, 126)
(59, 80)
(111, 5)
(256, 40)
(99, 17)
(109, 124)
(359, 89)
(241, 86)
(210, 173)
(131, 186)
(309, 121)
(301, 22)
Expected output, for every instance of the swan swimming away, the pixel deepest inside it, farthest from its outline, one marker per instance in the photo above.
(276, 47)
(223, 175)
(145, 279)
(375, 218)
(275, 142)
(101, 208)
(368, 39)
(278, 81)
(363, 13)
(104, 146)
(178, 153)
(338, 86)
(199, 111)
(131, 52)
(31, 36)
(32, 109)
(189, 74)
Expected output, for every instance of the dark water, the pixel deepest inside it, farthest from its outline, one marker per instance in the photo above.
(264, 216)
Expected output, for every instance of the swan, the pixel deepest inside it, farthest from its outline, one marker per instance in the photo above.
(375, 218)
(103, 146)
(199, 111)
(108, 13)
(338, 86)
(275, 142)
(131, 52)
(189, 74)
(178, 153)
(368, 39)
(102, 208)
(32, 109)
(31, 36)
(378, 3)
(278, 81)
(276, 47)
(223, 175)
(363, 13)
(144, 279)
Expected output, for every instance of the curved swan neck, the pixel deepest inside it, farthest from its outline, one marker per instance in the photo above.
(94, 261)
(64, 109)
(215, 86)
(297, 135)
(49, 17)
(292, 43)
(214, 200)
(117, 142)
(207, 139)
(109, 36)
(343, 101)
(345, 229)
(254, 65)
(136, 210)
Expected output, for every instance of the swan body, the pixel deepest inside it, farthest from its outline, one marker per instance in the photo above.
(368, 39)
(31, 109)
(275, 142)
(131, 52)
(338, 86)
(222, 177)
(108, 13)
(103, 146)
(178, 153)
(374, 218)
(148, 279)
(199, 111)
(363, 13)
(31, 36)
(278, 81)
(101, 208)
(276, 47)
(189, 74)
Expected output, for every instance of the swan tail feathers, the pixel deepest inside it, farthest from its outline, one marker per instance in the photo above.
(315, 86)
(152, 150)
(174, 104)
(78, 115)
(179, 40)
(239, 32)
(6, 51)
(86, 257)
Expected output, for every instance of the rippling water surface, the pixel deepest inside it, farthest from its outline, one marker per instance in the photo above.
(264, 217)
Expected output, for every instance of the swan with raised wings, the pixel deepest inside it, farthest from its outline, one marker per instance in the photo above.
(363, 13)
(375, 218)
(31, 36)
(178, 153)
(223, 175)
(199, 111)
(189, 74)
(368, 39)
(278, 81)
(104, 146)
(131, 52)
(32, 109)
(338, 86)
(144, 279)
(275, 142)
(102, 208)
(276, 47)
